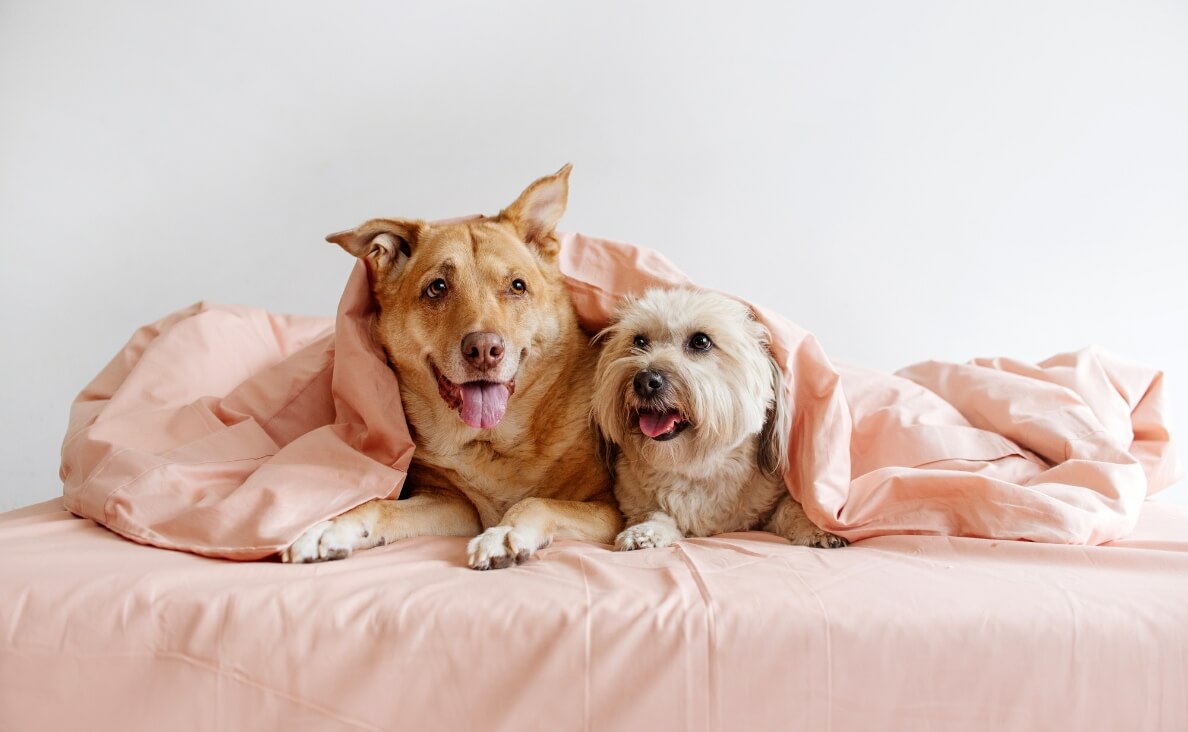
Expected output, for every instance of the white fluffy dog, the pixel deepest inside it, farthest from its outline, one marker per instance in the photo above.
(690, 404)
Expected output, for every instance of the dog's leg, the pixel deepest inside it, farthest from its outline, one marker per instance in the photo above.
(655, 531)
(380, 522)
(790, 522)
(533, 523)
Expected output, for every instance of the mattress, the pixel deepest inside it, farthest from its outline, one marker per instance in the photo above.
(742, 631)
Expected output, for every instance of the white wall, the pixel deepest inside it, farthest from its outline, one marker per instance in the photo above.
(910, 180)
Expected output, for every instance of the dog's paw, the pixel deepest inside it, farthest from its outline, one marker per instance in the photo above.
(818, 538)
(646, 535)
(334, 539)
(503, 546)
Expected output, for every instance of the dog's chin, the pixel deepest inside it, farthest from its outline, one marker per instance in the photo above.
(481, 404)
(661, 425)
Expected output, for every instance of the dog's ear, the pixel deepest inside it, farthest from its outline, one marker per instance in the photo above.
(384, 245)
(773, 439)
(600, 338)
(538, 209)
(605, 451)
(616, 315)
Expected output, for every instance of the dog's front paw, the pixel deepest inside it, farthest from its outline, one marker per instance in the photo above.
(819, 538)
(503, 546)
(646, 535)
(334, 539)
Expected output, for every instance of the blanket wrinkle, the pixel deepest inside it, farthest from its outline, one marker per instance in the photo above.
(712, 670)
(587, 645)
(1062, 451)
(827, 635)
(240, 677)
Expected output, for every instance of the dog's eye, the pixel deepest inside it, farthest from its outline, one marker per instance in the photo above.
(640, 342)
(436, 288)
(519, 287)
(700, 342)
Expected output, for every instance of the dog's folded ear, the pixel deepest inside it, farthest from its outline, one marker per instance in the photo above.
(774, 439)
(538, 209)
(605, 451)
(383, 244)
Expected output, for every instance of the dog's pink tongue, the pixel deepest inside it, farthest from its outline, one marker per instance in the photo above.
(654, 425)
(484, 403)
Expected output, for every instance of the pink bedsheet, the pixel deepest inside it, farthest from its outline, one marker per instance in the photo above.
(229, 431)
(740, 632)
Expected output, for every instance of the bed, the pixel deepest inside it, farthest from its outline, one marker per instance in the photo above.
(222, 433)
(742, 631)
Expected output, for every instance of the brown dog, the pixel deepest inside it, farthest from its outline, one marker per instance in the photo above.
(496, 378)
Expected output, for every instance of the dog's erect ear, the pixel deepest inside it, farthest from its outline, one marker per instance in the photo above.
(538, 209)
(773, 440)
(384, 245)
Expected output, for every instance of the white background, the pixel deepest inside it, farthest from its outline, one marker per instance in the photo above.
(909, 180)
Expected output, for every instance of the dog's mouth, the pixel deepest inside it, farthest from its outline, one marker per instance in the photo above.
(662, 425)
(481, 404)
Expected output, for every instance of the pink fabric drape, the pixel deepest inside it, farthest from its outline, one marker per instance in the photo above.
(227, 431)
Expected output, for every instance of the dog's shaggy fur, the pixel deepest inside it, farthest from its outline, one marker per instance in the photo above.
(691, 404)
(495, 378)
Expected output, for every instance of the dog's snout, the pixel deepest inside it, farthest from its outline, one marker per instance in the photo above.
(482, 350)
(649, 383)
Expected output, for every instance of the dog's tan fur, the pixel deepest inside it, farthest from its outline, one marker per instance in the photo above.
(534, 476)
(724, 471)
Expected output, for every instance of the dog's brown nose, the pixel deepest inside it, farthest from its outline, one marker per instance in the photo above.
(482, 350)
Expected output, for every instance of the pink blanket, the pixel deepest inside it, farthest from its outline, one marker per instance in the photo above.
(228, 431)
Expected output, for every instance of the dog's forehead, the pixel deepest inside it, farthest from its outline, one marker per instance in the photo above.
(482, 243)
(676, 313)
(475, 235)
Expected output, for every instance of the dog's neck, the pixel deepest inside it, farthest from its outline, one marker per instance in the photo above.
(695, 464)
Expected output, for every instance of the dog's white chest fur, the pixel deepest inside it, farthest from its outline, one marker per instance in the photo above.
(731, 495)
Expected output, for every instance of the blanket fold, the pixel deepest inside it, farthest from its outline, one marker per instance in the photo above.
(227, 431)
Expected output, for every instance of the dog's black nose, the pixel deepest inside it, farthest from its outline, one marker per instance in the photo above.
(649, 383)
(482, 350)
